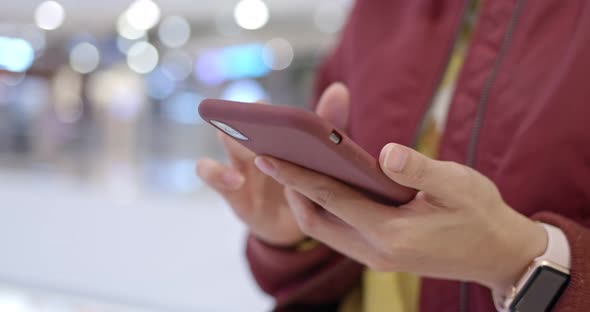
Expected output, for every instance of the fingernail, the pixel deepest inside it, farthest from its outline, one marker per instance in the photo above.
(396, 158)
(265, 165)
(233, 180)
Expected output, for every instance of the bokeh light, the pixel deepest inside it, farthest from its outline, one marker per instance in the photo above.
(231, 63)
(16, 54)
(124, 44)
(84, 57)
(174, 31)
(251, 14)
(67, 87)
(35, 37)
(143, 14)
(33, 98)
(177, 64)
(49, 15)
(278, 54)
(245, 91)
(329, 16)
(209, 68)
(82, 37)
(142, 57)
(158, 84)
(118, 91)
(125, 29)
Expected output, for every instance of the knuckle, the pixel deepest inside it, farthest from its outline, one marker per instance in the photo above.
(324, 196)
(387, 248)
(388, 237)
(391, 247)
(463, 172)
(376, 234)
(397, 226)
(420, 173)
(466, 177)
(398, 245)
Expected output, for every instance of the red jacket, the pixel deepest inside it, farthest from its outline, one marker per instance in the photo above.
(520, 115)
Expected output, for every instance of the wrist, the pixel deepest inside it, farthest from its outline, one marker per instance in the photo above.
(519, 240)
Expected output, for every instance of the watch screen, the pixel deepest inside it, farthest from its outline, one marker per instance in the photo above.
(541, 291)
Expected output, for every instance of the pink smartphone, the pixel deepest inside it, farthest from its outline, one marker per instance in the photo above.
(305, 139)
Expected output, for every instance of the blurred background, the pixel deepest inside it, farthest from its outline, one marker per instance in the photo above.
(100, 209)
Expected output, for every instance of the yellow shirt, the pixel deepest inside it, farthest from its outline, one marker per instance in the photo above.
(395, 291)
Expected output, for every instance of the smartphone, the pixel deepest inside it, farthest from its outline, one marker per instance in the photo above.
(305, 139)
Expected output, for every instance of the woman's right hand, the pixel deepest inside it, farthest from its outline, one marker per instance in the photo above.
(257, 199)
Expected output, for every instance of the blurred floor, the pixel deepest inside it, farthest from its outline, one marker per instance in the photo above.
(66, 239)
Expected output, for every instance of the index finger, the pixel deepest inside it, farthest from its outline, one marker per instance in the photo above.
(341, 200)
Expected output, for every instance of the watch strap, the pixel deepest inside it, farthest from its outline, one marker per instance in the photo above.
(557, 252)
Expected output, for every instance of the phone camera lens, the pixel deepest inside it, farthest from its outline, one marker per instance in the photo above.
(335, 137)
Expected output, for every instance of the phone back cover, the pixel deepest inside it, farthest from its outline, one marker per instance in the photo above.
(301, 137)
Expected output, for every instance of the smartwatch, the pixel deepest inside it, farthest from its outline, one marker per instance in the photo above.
(545, 279)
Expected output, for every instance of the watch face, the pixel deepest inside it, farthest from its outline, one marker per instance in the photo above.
(541, 290)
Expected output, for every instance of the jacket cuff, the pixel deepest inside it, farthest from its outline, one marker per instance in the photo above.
(283, 261)
(575, 296)
(275, 269)
(316, 276)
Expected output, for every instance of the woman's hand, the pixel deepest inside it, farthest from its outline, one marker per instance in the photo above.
(457, 227)
(258, 200)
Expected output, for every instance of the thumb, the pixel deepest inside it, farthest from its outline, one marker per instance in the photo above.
(334, 105)
(445, 181)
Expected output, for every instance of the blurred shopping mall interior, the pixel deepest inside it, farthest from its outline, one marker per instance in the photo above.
(100, 209)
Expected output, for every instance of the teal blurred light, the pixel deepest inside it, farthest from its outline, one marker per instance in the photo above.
(244, 61)
(245, 91)
(236, 62)
(16, 54)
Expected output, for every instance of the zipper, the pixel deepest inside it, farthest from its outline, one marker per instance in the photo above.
(483, 100)
(479, 115)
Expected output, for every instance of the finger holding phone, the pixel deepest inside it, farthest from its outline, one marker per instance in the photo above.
(452, 222)
(457, 227)
(257, 199)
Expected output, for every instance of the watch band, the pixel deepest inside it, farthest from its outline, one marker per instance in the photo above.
(557, 253)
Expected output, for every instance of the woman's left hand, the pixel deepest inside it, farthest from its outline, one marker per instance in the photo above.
(457, 227)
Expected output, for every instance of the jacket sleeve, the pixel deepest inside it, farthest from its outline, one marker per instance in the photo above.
(577, 294)
(314, 277)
